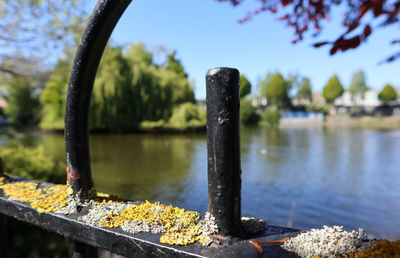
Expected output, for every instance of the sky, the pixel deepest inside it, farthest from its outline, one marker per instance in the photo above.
(206, 34)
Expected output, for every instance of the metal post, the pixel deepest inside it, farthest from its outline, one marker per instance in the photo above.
(223, 147)
(98, 30)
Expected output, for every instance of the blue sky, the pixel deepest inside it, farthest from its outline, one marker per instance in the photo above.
(206, 34)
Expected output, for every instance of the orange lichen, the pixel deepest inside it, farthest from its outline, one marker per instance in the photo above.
(383, 249)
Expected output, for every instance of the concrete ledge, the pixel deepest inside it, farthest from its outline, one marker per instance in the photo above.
(142, 244)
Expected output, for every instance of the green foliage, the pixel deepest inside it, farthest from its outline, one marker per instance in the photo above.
(187, 115)
(138, 54)
(245, 86)
(113, 104)
(26, 240)
(270, 117)
(388, 93)
(53, 97)
(174, 64)
(275, 88)
(32, 163)
(129, 89)
(22, 107)
(333, 89)
(358, 83)
(248, 113)
(153, 124)
(305, 89)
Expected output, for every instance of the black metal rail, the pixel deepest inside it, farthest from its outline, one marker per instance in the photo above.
(134, 245)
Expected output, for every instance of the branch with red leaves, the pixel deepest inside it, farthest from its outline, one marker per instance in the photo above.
(306, 15)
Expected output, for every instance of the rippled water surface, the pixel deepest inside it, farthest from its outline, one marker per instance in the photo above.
(301, 177)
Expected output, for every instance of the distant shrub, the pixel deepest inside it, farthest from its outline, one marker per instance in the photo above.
(32, 163)
(187, 115)
(248, 112)
(270, 117)
(321, 108)
(153, 124)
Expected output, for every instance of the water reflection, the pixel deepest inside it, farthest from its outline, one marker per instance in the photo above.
(334, 176)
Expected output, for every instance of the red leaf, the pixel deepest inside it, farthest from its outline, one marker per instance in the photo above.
(397, 41)
(377, 9)
(352, 26)
(363, 9)
(333, 50)
(285, 17)
(286, 2)
(367, 31)
(319, 44)
(272, 9)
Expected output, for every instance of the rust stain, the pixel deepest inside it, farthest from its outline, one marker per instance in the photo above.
(71, 172)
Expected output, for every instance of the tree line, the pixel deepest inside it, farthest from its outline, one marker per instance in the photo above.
(276, 88)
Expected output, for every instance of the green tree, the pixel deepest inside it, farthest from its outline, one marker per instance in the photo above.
(388, 93)
(113, 104)
(53, 96)
(22, 106)
(174, 64)
(245, 86)
(305, 89)
(358, 85)
(333, 89)
(129, 88)
(275, 88)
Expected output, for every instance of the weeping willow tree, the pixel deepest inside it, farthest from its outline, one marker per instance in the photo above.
(129, 88)
(53, 96)
(112, 101)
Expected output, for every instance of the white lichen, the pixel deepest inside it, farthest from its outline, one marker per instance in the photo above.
(97, 212)
(138, 226)
(208, 227)
(326, 242)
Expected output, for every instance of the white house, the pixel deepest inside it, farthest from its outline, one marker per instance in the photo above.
(369, 100)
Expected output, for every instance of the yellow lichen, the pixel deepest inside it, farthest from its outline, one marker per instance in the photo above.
(3, 180)
(103, 198)
(181, 227)
(43, 200)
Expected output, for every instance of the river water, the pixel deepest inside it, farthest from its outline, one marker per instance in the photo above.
(301, 177)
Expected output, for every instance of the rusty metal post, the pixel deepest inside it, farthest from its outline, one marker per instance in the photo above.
(94, 39)
(223, 147)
